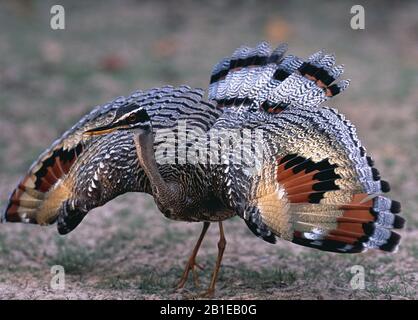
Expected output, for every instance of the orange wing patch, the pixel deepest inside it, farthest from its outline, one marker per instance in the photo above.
(56, 166)
(305, 180)
(31, 191)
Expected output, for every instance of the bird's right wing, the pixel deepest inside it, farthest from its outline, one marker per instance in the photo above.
(69, 167)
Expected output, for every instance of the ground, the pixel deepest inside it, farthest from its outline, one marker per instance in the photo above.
(127, 249)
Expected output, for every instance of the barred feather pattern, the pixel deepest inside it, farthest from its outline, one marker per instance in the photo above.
(305, 179)
(266, 77)
(107, 165)
(315, 185)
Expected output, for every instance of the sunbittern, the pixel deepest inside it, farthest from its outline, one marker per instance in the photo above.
(263, 148)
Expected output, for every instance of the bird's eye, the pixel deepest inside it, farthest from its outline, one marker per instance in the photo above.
(132, 118)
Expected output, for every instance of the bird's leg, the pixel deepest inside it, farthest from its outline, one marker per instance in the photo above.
(221, 248)
(191, 264)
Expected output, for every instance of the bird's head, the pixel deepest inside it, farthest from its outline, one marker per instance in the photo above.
(131, 117)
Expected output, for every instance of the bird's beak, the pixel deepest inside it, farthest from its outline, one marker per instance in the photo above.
(100, 131)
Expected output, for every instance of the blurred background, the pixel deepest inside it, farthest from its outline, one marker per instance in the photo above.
(126, 249)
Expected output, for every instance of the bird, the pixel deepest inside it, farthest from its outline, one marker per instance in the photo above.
(261, 146)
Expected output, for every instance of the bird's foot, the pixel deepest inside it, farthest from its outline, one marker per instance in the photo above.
(208, 294)
(191, 266)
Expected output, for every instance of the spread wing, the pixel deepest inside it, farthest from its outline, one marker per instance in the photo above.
(64, 179)
(313, 184)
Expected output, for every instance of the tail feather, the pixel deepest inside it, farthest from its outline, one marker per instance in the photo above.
(243, 57)
(273, 81)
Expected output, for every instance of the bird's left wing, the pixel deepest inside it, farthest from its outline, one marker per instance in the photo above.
(314, 185)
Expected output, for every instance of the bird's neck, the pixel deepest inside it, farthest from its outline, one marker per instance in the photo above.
(144, 144)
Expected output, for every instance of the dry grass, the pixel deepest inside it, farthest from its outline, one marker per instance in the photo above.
(48, 79)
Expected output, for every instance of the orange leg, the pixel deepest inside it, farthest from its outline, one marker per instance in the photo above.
(191, 264)
(221, 248)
